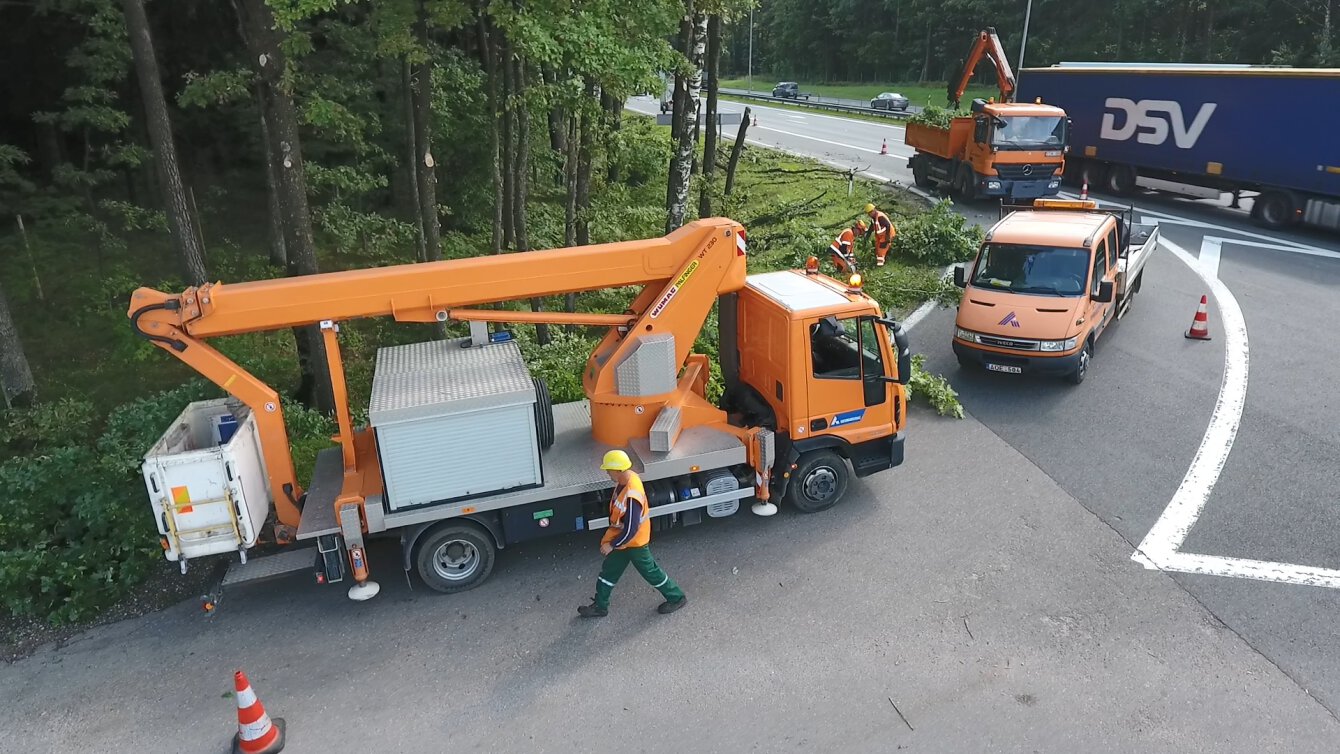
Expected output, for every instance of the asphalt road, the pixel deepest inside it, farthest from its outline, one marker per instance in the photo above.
(819, 99)
(980, 597)
(1122, 443)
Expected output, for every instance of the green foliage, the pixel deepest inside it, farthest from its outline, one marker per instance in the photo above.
(560, 363)
(46, 426)
(934, 389)
(939, 237)
(934, 117)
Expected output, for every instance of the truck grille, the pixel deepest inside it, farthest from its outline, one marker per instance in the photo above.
(1018, 345)
(1024, 172)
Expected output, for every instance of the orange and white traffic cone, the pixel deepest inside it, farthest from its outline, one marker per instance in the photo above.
(884, 146)
(1084, 192)
(256, 732)
(755, 123)
(1200, 326)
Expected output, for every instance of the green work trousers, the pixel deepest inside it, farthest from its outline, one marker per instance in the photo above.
(615, 564)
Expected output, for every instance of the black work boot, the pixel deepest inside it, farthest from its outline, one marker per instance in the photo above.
(592, 611)
(669, 607)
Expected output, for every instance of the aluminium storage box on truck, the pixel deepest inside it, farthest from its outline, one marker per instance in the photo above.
(1197, 130)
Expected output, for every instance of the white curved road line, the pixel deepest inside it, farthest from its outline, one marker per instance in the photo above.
(1160, 549)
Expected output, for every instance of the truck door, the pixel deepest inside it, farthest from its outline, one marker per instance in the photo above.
(848, 358)
(1104, 270)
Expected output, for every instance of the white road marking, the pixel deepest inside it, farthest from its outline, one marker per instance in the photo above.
(1210, 249)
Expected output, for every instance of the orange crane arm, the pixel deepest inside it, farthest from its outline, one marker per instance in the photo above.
(987, 44)
(682, 274)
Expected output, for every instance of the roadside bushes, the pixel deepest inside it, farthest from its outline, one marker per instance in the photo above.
(939, 237)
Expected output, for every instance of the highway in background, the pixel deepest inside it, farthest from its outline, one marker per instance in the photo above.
(1122, 443)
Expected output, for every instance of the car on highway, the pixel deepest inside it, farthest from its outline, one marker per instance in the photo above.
(889, 101)
(786, 90)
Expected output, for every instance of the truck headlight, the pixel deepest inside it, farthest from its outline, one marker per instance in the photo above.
(993, 184)
(1054, 184)
(1058, 345)
(967, 335)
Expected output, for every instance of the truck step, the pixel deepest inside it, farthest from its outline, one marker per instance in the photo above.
(271, 566)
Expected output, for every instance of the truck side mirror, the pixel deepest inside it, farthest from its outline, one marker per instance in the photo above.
(1105, 292)
(960, 276)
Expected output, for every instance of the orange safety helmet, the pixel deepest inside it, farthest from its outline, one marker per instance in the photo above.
(862, 226)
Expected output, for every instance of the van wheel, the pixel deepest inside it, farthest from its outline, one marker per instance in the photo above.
(819, 481)
(455, 556)
(1082, 368)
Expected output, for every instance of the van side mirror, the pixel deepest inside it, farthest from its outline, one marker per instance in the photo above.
(960, 276)
(1105, 292)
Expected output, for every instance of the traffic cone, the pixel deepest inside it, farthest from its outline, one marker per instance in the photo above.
(1084, 192)
(1200, 326)
(256, 732)
(884, 146)
(755, 123)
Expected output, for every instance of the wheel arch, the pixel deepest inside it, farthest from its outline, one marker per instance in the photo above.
(410, 535)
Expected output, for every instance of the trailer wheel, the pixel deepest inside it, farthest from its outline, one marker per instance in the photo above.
(1093, 173)
(544, 414)
(819, 481)
(1276, 209)
(455, 556)
(1121, 179)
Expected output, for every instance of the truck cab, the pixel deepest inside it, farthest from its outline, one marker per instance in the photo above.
(820, 365)
(1045, 285)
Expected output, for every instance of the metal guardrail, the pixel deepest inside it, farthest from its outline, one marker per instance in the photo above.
(816, 102)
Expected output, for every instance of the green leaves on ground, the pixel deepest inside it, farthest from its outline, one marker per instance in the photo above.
(934, 389)
(939, 237)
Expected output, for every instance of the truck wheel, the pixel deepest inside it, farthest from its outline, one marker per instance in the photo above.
(920, 173)
(1121, 179)
(1082, 369)
(1093, 173)
(1277, 209)
(819, 481)
(455, 556)
(966, 184)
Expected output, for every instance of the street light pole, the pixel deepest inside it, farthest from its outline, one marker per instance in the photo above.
(1023, 45)
(751, 47)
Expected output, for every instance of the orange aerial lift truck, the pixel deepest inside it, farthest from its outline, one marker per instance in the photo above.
(1004, 148)
(465, 453)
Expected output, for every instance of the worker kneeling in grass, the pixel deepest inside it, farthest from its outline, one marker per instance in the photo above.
(626, 541)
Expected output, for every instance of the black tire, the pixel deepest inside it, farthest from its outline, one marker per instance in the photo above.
(1092, 173)
(1121, 180)
(1082, 369)
(544, 414)
(921, 173)
(819, 481)
(965, 184)
(1277, 209)
(455, 556)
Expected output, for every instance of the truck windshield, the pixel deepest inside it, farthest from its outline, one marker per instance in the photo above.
(1029, 132)
(1042, 270)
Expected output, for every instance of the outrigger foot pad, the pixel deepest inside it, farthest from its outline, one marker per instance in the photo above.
(364, 591)
(764, 508)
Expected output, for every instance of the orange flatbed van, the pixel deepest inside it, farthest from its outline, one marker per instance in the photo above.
(1045, 285)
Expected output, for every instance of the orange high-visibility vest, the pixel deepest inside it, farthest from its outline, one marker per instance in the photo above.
(884, 230)
(843, 243)
(630, 516)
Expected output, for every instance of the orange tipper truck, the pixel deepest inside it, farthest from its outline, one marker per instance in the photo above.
(1046, 284)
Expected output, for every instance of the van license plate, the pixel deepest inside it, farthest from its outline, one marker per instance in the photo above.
(1004, 368)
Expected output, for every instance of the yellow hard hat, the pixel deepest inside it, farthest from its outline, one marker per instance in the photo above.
(869, 208)
(862, 224)
(616, 460)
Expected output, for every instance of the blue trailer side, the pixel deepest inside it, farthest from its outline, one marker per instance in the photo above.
(1222, 128)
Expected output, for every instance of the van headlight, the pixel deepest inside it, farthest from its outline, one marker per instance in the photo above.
(1058, 345)
(967, 335)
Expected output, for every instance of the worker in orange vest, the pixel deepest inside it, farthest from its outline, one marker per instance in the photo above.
(843, 247)
(884, 233)
(626, 541)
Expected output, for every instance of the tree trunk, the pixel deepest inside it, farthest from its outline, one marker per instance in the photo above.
(926, 60)
(181, 221)
(1324, 46)
(278, 252)
(412, 160)
(16, 379)
(614, 107)
(735, 151)
(487, 48)
(424, 167)
(585, 156)
(681, 165)
(521, 181)
(263, 42)
(508, 143)
(571, 141)
(710, 143)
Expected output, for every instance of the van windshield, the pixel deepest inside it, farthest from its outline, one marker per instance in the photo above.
(1029, 132)
(1042, 270)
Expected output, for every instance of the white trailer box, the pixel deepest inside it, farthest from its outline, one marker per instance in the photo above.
(208, 497)
(454, 422)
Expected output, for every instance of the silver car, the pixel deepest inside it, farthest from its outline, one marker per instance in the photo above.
(889, 101)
